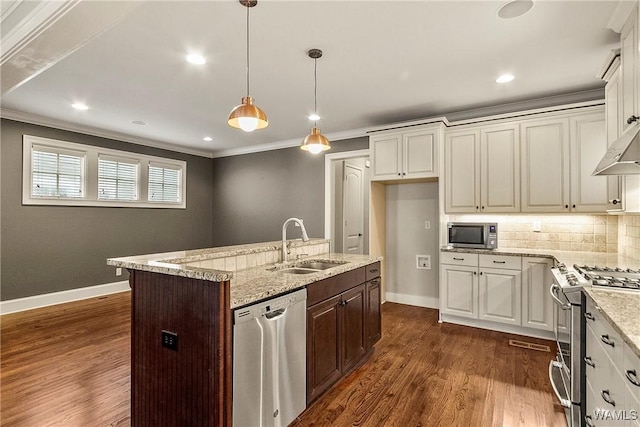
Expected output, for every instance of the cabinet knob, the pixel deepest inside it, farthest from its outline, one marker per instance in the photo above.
(632, 377)
(614, 201)
(589, 316)
(574, 206)
(482, 207)
(606, 396)
(477, 207)
(605, 339)
(566, 206)
(589, 362)
(632, 119)
(398, 173)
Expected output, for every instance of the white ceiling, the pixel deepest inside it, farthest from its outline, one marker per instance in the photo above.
(384, 62)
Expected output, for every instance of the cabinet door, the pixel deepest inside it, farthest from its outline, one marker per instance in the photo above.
(537, 306)
(462, 172)
(419, 154)
(500, 169)
(545, 165)
(374, 319)
(500, 295)
(353, 327)
(386, 156)
(613, 112)
(459, 290)
(629, 68)
(323, 349)
(588, 144)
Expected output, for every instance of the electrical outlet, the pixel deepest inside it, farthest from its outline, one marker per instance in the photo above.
(427, 225)
(170, 340)
(118, 271)
(423, 262)
(537, 226)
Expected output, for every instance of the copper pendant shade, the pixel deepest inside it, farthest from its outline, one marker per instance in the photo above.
(315, 142)
(248, 116)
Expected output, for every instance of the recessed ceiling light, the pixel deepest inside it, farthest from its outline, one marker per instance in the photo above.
(197, 59)
(207, 138)
(138, 122)
(314, 117)
(515, 8)
(80, 106)
(505, 78)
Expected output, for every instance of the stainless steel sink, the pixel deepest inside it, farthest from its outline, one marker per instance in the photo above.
(296, 270)
(320, 265)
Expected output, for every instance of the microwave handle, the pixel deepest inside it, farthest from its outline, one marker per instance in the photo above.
(553, 292)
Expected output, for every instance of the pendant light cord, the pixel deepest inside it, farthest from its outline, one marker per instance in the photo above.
(315, 90)
(248, 50)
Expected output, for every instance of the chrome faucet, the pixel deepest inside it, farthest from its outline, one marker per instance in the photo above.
(305, 238)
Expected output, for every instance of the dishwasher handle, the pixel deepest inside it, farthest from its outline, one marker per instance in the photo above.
(275, 314)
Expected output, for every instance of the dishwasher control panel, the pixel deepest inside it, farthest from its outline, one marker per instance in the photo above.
(266, 307)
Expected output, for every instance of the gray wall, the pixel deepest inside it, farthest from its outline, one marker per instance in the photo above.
(54, 248)
(408, 207)
(255, 193)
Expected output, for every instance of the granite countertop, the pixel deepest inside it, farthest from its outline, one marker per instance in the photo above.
(622, 310)
(601, 259)
(259, 283)
(247, 285)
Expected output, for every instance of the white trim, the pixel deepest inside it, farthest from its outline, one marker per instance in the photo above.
(328, 191)
(335, 136)
(418, 301)
(89, 130)
(499, 327)
(44, 300)
(620, 15)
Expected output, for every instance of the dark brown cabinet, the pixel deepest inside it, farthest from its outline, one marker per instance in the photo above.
(343, 324)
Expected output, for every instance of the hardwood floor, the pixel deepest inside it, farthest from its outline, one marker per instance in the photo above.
(68, 365)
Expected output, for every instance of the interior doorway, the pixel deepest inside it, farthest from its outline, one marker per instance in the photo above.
(347, 201)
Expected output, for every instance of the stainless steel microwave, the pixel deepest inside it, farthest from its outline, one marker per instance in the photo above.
(478, 235)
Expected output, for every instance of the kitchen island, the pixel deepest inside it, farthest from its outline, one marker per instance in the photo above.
(181, 371)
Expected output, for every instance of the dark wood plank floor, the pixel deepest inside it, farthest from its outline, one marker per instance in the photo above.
(68, 365)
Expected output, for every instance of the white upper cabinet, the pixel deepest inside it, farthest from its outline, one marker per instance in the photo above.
(629, 69)
(462, 171)
(405, 155)
(613, 124)
(500, 169)
(545, 165)
(587, 146)
(482, 170)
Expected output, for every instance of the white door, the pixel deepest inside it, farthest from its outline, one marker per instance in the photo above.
(500, 295)
(419, 155)
(462, 172)
(459, 289)
(537, 306)
(386, 157)
(500, 169)
(353, 212)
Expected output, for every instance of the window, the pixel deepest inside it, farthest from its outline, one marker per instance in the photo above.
(56, 173)
(117, 178)
(164, 183)
(70, 174)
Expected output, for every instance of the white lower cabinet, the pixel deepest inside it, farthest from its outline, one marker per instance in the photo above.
(611, 371)
(537, 307)
(500, 295)
(459, 284)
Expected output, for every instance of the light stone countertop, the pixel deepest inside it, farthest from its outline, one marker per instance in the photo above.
(622, 310)
(569, 258)
(247, 285)
(258, 283)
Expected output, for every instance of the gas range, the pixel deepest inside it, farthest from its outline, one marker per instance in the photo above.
(579, 276)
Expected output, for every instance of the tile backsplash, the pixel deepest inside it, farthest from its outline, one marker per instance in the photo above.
(591, 233)
(629, 236)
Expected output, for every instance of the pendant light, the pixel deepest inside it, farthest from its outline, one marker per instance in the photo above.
(248, 116)
(315, 142)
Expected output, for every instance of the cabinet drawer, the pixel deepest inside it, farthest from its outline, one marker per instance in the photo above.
(332, 286)
(631, 372)
(501, 261)
(606, 335)
(459, 258)
(372, 271)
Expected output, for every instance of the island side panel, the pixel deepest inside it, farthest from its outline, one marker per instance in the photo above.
(189, 385)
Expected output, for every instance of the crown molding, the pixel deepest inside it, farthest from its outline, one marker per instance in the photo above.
(89, 130)
(335, 136)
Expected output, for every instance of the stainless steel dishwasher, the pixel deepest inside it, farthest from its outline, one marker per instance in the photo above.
(269, 361)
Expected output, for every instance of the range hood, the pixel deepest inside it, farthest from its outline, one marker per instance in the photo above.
(623, 156)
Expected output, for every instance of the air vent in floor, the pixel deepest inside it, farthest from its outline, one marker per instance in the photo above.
(529, 345)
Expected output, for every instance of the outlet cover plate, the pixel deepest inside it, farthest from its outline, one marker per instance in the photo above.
(423, 262)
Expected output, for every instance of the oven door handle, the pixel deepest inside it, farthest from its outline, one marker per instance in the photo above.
(554, 364)
(553, 292)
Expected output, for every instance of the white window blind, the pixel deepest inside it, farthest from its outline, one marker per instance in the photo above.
(56, 173)
(164, 183)
(117, 178)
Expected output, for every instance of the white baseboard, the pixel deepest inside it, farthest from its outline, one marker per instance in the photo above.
(499, 327)
(420, 301)
(37, 301)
